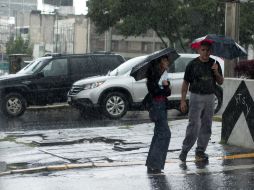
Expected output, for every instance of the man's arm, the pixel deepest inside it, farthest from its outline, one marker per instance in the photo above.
(183, 105)
(218, 77)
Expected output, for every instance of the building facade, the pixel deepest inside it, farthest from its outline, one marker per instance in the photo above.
(14, 20)
(52, 26)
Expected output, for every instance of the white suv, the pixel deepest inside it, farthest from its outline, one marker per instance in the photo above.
(118, 92)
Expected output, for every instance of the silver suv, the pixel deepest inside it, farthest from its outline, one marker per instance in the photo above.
(118, 92)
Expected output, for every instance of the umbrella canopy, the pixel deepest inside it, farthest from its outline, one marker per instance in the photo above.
(222, 46)
(139, 71)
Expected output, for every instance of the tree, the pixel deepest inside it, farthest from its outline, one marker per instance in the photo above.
(203, 17)
(18, 45)
(136, 17)
(180, 21)
(247, 23)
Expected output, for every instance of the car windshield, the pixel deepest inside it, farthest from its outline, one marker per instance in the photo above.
(127, 66)
(33, 67)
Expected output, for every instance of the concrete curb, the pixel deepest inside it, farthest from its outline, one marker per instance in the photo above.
(70, 166)
(115, 164)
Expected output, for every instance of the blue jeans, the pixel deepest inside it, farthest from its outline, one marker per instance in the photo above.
(159, 146)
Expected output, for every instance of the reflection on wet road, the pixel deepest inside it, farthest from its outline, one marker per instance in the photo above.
(66, 117)
(129, 178)
(26, 142)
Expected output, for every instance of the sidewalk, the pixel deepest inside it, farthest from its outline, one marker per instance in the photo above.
(117, 146)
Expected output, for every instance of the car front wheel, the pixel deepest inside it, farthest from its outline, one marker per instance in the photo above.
(114, 105)
(13, 105)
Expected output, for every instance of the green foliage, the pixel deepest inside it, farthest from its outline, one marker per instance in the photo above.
(18, 46)
(180, 21)
(247, 23)
(203, 17)
(136, 17)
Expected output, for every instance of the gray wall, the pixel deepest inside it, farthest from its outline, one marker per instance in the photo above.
(62, 34)
(238, 112)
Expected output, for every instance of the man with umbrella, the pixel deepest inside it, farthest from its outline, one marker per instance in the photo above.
(201, 76)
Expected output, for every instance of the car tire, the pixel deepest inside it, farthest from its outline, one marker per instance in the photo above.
(13, 105)
(115, 105)
(218, 100)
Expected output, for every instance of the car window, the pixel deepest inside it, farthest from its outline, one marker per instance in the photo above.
(84, 66)
(108, 62)
(56, 67)
(179, 65)
(34, 66)
(127, 66)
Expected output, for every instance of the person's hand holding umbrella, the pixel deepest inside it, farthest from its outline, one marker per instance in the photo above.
(219, 78)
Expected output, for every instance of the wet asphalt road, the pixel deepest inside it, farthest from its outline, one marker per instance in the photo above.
(218, 174)
(63, 117)
(130, 178)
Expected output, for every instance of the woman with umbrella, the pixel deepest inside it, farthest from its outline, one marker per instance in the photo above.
(158, 88)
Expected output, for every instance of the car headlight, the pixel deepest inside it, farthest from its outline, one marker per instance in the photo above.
(92, 85)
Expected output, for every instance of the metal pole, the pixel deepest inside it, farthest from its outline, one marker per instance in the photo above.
(9, 14)
(110, 39)
(56, 32)
(23, 15)
(2, 56)
(89, 37)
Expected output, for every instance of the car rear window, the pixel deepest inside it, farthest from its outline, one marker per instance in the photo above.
(84, 66)
(180, 64)
(108, 62)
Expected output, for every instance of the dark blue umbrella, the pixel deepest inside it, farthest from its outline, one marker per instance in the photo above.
(139, 71)
(222, 46)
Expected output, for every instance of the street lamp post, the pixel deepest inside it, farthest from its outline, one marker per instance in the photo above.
(108, 36)
(56, 15)
(2, 53)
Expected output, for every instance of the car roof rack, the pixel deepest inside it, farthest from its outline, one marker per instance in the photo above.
(52, 54)
(102, 52)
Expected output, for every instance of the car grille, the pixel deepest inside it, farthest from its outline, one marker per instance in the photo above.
(75, 90)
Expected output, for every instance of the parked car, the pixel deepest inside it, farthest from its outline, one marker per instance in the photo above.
(47, 80)
(116, 93)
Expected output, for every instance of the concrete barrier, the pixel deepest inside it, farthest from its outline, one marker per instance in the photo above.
(238, 112)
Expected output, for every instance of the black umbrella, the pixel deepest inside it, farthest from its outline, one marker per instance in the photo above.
(222, 46)
(139, 71)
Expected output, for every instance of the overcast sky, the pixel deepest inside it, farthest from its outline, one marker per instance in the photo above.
(80, 6)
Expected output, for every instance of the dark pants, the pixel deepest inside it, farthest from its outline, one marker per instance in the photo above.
(161, 138)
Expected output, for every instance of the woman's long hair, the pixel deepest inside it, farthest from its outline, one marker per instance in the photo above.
(153, 70)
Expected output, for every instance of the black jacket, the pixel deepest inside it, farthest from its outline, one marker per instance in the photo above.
(153, 76)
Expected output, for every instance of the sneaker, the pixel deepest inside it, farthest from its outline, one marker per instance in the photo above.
(153, 171)
(183, 156)
(201, 156)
